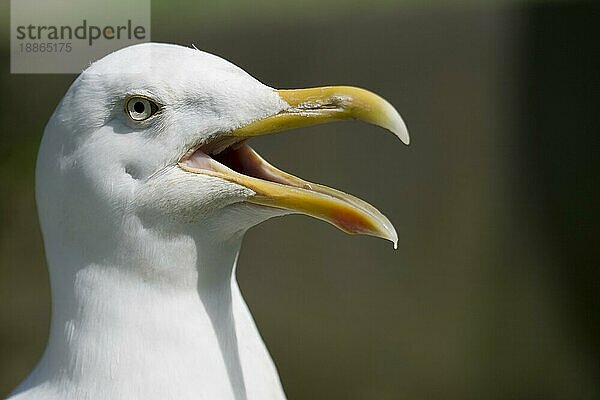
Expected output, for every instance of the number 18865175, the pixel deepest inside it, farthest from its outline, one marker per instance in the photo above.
(45, 47)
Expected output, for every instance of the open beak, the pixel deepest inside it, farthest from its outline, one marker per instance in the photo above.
(229, 157)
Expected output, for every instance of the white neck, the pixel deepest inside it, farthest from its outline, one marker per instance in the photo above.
(168, 321)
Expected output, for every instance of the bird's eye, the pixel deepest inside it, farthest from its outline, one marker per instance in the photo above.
(140, 108)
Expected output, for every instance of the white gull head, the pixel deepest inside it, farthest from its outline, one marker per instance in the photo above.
(145, 185)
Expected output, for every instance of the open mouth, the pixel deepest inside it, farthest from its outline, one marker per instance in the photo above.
(240, 159)
(231, 158)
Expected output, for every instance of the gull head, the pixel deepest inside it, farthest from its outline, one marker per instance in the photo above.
(145, 185)
(161, 132)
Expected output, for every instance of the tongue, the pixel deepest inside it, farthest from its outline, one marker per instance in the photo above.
(199, 160)
(244, 160)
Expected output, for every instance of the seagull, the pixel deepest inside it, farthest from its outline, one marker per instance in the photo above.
(145, 186)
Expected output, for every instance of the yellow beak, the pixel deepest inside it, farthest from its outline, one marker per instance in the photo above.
(326, 104)
(274, 188)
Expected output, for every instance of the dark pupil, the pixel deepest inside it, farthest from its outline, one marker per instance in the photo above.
(139, 107)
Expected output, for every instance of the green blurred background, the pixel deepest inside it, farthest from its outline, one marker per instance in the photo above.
(494, 290)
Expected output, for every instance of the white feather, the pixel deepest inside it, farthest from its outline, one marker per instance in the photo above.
(142, 255)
